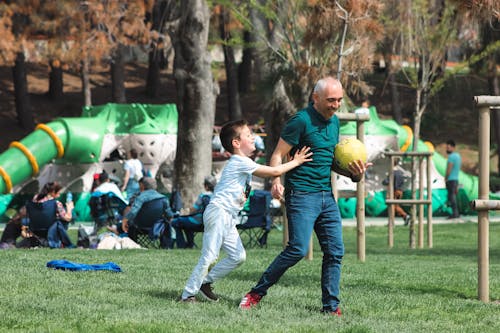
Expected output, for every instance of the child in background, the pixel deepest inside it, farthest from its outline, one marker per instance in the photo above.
(221, 215)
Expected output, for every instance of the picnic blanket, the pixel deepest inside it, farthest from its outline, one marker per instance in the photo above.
(73, 266)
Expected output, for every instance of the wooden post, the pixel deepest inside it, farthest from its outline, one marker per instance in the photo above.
(309, 255)
(421, 207)
(482, 216)
(392, 208)
(429, 206)
(360, 205)
(285, 225)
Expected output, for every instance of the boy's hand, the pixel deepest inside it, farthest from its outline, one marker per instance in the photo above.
(303, 155)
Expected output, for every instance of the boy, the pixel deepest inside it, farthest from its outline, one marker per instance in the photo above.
(221, 215)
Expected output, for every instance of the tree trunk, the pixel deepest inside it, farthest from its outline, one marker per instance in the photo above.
(278, 105)
(118, 77)
(23, 109)
(86, 91)
(396, 104)
(278, 111)
(196, 92)
(417, 117)
(55, 82)
(489, 35)
(494, 89)
(153, 79)
(245, 69)
(233, 95)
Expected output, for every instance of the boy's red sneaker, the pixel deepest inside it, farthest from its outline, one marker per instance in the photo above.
(250, 300)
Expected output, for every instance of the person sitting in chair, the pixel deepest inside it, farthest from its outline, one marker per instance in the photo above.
(189, 224)
(147, 193)
(106, 186)
(13, 229)
(48, 219)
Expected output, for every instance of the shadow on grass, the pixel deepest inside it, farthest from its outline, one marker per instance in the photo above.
(176, 295)
(445, 252)
(166, 294)
(412, 289)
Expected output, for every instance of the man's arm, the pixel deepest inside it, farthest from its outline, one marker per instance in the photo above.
(355, 172)
(136, 206)
(282, 149)
(449, 166)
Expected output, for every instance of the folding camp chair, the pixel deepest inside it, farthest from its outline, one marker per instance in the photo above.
(42, 215)
(150, 228)
(256, 222)
(106, 210)
(47, 230)
(189, 225)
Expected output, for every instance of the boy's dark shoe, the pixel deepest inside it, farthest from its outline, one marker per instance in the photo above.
(207, 292)
(336, 313)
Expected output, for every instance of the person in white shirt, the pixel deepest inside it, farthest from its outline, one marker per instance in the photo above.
(106, 186)
(221, 214)
(133, 173)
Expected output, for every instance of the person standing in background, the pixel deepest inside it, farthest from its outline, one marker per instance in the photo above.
(398, 186)
(452, 172)
(133, 173)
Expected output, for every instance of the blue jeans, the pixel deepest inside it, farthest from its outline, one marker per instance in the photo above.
(305, 212)
(132, 188)
(452, 188)
(185, 225)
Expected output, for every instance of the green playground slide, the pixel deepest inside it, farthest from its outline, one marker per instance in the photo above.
(78, 140)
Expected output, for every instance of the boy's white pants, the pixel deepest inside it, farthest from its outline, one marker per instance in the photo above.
(219, 232)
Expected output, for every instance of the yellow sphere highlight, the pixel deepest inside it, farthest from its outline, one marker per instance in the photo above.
(349, 150)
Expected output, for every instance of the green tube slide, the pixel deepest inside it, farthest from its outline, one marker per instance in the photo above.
(79, 140)
(67, 139)
(76, 141)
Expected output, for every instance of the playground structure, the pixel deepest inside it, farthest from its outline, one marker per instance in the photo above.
(71, 150)
(386, 136)
(419, 158)
(483, 205)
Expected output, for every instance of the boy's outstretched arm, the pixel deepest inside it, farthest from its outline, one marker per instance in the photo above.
(277, 168)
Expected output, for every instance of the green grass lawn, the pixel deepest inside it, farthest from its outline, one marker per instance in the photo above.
(395, 290)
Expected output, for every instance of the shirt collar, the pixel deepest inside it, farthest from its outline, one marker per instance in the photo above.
(318, 115)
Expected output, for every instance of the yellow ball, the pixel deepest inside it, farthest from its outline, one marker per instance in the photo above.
(349, 150)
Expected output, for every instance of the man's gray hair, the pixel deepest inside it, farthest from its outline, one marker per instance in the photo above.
(148, 183)
(322, 83)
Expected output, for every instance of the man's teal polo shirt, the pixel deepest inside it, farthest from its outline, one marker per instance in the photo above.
(309, 128)
(455, 159)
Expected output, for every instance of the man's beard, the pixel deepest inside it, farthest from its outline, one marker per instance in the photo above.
(449, 151)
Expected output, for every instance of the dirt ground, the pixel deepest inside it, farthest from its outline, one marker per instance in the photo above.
(45, 110)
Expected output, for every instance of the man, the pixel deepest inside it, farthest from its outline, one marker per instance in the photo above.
(398, 187)
(452, 171)
(308, 196)
(147, 186)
